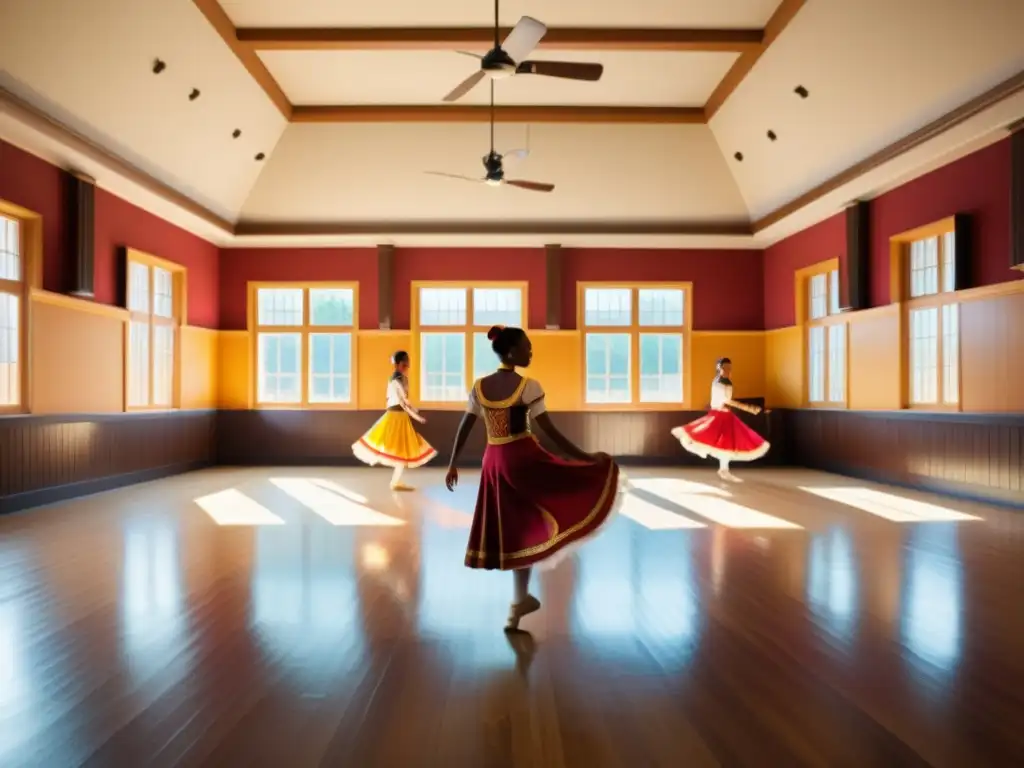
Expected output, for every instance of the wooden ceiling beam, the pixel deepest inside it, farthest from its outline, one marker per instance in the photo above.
(460, 113)
(482, 38)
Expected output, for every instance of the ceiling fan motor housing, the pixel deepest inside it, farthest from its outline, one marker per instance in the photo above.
(498, 64)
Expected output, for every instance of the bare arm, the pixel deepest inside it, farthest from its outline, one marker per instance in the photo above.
(407, 406)
(565, 445)
(743, 406)
(465, 427)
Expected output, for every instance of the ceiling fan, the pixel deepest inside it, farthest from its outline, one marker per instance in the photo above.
(508, 58)
(493, 164)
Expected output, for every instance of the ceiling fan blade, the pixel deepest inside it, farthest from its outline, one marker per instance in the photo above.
(465, 86)
(535, 186)
(569, 70)
(515, 154)
(454, 176)
(523, 38)
(476, 56)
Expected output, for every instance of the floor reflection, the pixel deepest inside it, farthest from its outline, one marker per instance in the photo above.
(933, 595)
(832, 581)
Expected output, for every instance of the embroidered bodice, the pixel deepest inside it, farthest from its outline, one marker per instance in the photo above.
(509, 419)
(721, 393)
(397, 390)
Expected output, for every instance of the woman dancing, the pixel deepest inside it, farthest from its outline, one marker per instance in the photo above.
(720, 433)
(531, 506)
(393, 441)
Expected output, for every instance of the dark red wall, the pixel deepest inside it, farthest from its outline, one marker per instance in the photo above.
(35, 184)
(978, 184)
(238, 266)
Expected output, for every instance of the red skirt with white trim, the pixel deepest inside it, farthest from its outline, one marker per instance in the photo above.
(721, 435)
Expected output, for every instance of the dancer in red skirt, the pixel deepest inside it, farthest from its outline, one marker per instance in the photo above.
(532, 506)
(720, 433)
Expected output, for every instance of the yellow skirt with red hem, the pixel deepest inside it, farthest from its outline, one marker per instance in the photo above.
(534, 507)
(393, 442)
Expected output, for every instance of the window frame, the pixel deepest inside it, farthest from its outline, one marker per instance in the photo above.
(179, 305)
(416, 332)
(834, 316)
(634, 329)
(30, 245)
(304, 330)
(899, 287)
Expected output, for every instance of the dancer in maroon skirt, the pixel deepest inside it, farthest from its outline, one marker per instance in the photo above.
(531, 506)
(720, 433)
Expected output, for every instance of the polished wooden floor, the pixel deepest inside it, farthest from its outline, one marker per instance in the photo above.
(311, 618)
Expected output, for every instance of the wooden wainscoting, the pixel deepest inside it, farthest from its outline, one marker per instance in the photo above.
(49, 458)
(972, 455)
(267, 437)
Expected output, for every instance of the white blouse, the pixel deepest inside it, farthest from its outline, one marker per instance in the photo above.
(721, 393)
(532, 395)
(396, 393)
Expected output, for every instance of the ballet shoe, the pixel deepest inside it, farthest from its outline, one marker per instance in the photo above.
(521, 609)
(728, 476)
(401, 487)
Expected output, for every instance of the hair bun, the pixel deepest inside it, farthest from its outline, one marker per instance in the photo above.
(495, 332)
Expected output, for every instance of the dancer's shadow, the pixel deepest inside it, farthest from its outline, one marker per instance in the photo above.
(524, 647)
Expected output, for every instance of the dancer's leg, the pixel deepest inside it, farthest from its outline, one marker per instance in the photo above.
(523, 602)
(724, 473)
(396, 480)
(521, 579)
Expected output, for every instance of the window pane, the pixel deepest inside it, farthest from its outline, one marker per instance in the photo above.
(661, 306)
(138, 363)
(163, 290)
(10, 340)
(443, 367)
(484, 359)
(608, 369)
(10, 250)
(924, 267)
(607, 306)
(163, 365)
(498, 306)
(818, 296)
(833, 292)
(816, 364)
(331, 306)
(277, 367)
(661, 367)
(951, 354)
(924, 352)
(279, 306)
(330, 367)
(138, 287)
(837, 363)
(443, 306)
(948, 262)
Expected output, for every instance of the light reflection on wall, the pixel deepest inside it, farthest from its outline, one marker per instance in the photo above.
(832, 581)
(151, 595)
(933, 613)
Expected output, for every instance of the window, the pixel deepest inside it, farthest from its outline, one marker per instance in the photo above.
(826, 334)
(635, 342)
(304, 339)
(925, 267)
(450, 324)
(12, 296)
(156, 290)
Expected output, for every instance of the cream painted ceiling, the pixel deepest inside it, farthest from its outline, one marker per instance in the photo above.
(876, 71)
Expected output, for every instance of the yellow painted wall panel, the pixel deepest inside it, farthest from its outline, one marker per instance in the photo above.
(746, 349)
(373, 366)
(784, 368)
(558, 366)
(233, 370)
(874, 359)
(199, 367)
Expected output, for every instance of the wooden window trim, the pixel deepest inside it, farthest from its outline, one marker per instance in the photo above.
(304, 330)
(801, 291)
(31, 254)
(899, 292)
(467, 329)
(179, 304)
(634, 329)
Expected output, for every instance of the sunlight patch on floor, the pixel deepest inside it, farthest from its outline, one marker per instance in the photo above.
(232, 507)
(897, 509)
(670, 487)
(334, 507)
(729, 513)
(653, 517)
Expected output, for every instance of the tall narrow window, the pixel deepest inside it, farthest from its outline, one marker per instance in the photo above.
(451, 323)
(826, 337)
(304, 344)
(635, 341)
(155, 293)
(11, 298)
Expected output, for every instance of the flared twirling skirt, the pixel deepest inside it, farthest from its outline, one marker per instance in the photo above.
(722, 435)
(393, 442)
(533, 506)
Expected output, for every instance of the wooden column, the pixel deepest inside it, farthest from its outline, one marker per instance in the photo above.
(553, 266)
(963, 245)
(81, 232)
(853, 272)
(1017, 197)
(385, 269)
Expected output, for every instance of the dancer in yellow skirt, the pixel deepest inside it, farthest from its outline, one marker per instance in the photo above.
(393, 441)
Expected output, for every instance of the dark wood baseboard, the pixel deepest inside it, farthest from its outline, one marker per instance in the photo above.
(50, 458)
(972, 455)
